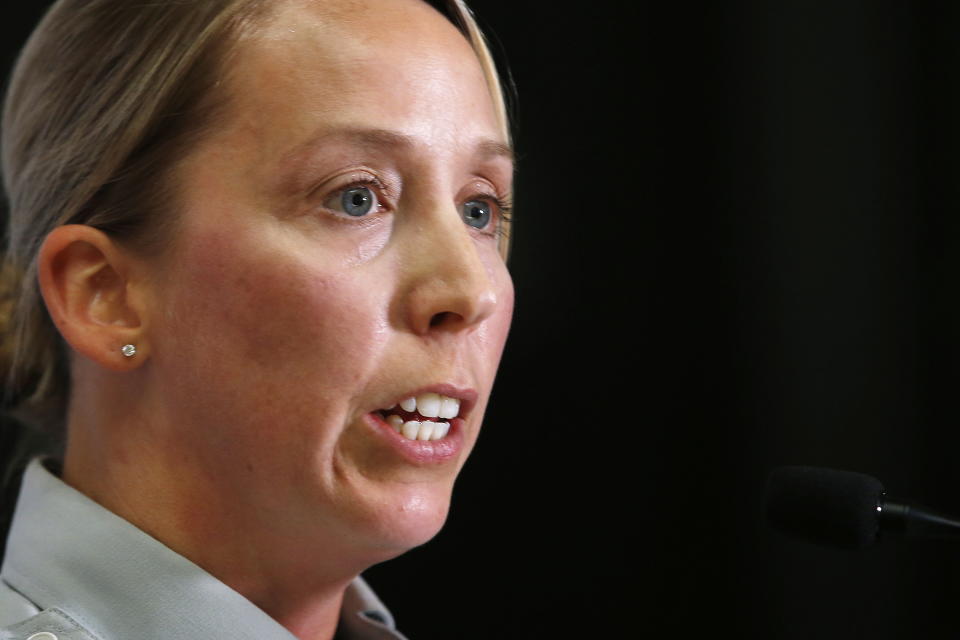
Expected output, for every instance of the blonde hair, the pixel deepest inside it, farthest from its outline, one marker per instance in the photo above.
(104, 98)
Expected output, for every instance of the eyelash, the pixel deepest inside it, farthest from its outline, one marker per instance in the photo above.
(503, 205)
(504, 208)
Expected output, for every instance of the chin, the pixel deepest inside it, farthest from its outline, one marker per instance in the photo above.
(412, 519)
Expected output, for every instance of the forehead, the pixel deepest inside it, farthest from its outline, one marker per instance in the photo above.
(395, 65)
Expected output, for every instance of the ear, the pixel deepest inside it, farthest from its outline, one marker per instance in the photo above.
(85, 281)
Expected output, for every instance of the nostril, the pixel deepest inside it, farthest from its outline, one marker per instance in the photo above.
(441, 318)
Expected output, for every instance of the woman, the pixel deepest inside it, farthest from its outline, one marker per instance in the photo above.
(270, 236)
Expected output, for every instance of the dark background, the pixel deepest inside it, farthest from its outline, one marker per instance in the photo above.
(735, 249)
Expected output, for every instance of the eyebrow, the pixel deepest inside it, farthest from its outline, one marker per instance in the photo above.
(384, 138)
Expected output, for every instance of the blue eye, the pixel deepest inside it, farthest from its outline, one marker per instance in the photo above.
(358, 201)
(476, 213)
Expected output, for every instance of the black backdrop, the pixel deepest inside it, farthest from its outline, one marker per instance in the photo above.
(735, 249)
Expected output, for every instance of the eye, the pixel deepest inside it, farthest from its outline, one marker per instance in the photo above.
(477, 213)
(358, 201)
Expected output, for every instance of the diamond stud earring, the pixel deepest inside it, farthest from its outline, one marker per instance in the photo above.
(129, 350)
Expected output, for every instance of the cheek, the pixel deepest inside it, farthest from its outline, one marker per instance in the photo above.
(501, 325)
(293, 334)
(495, 330)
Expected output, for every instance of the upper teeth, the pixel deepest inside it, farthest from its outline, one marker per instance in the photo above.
(432, 405)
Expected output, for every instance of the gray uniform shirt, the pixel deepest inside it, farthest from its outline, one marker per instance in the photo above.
(75, 571)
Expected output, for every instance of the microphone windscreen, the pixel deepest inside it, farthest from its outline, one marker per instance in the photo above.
(835, 508)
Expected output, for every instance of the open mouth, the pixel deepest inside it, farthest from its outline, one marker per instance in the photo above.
(423, 417)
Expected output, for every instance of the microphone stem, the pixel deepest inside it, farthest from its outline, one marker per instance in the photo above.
(915, 521)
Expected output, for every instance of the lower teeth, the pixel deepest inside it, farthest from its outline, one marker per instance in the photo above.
(418, 429)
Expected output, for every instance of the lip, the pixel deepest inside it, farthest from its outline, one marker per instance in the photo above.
(421, 452)
(428, 452)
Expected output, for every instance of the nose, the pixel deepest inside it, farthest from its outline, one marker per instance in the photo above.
(450, 288)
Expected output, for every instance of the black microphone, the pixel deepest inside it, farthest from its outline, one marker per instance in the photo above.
(845, 509)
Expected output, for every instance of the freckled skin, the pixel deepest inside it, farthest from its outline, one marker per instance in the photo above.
(274, 326)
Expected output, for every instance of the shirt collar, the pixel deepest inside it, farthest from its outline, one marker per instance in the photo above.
(64, 550)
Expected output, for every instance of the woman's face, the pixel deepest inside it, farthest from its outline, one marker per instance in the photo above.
(335, 254)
